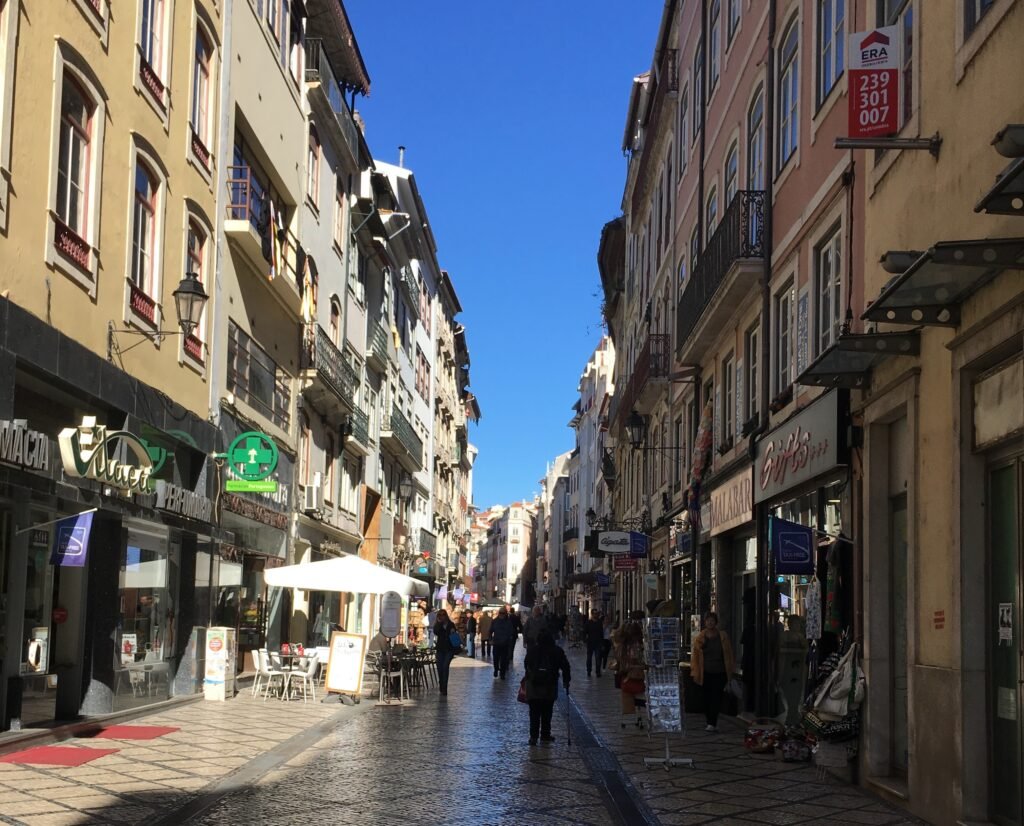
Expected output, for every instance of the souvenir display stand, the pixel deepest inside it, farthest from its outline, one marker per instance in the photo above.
(664, 703)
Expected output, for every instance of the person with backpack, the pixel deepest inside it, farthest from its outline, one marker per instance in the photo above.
(447, 644)
(544, 661)
(502, 635)
(471, 635)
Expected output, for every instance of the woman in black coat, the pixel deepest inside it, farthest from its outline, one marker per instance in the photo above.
(444, 650)
(544, 661)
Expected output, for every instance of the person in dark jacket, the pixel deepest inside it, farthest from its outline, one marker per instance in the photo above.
(502, 635)
(445, 651)
(517, 625)
(593, 632)
(544, 661)
(471, 636)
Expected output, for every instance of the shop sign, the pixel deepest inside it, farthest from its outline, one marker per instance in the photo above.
(874, 83)
(625, 563)
(71, 540)
(255, 511)
(175, 499)
(85, 451)
(603, 580)
(639, 544)
(22, 447)
(252, 455)
(732, 502)
(792, 546)
(613, 542)
(801, 449)
(251, 486)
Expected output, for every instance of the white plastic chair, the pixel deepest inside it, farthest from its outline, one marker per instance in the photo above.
(258, 662)
(269, 674)
(306, 677)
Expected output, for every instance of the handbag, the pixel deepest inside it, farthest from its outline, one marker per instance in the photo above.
(735, 688)
(843, 689)
(631, 685)
(454, 640)
(521, 694)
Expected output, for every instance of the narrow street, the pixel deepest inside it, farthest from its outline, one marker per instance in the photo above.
(465, 756)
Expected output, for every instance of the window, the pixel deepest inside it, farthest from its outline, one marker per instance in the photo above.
(152, 34)
(274, 18)
(339, 215)
(755, 143)
(753, 359)
(974, 10)
(313, 166)
(335, 322)
(255, 378)
(901, 13)
(789, 94)
(684, 144)
(680, 452)
(296, 53)
(305, 448)
(715, 45)
(830, 45)
(698, 92)
(195, 253)
(329, 455)
(711, 213)
(783, 338)
(732, 172)
(200, 119)
(734, 19)
(144, 221)
(682, 270)
(828, 279)
(694, 246)
(728, 399)
(73, 157)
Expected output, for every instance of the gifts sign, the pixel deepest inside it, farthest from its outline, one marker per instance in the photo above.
(874, 93)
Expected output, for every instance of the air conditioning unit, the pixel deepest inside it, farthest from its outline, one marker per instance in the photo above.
(313, 495)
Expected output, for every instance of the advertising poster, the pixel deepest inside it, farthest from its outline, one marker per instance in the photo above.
(71, 541)
(345, 663)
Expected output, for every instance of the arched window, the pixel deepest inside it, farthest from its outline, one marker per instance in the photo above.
(732, 172)
(755, 143)
(201, 94)
(698, 96)
(789, 94)
(335, 322)
(715, 44)
(144, 216)
(711, 213)
(76, 110)
(195, 253)
(313, 165)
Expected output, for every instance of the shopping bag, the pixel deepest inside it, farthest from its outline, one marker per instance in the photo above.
(633, 686)
(521, 694)
(735, 688)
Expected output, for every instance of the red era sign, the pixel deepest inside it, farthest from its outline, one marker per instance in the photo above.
(874, 90)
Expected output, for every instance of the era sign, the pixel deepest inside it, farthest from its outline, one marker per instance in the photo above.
(874, 92)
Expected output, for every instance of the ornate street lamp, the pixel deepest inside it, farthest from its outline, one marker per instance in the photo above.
(189, 302)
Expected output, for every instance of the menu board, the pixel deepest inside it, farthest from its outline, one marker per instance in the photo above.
(662, 651)
(345, 663)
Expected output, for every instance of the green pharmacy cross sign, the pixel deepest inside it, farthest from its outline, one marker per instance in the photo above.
(253, 457)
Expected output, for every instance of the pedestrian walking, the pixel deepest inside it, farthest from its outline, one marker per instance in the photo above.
(593, 631)
(711, 666)
(447, 643)
(631, 671)
(606, 639)
(485, 634)
(502, 634)
(471, 635)
(517, 625)
(544, 661)
(534, 625)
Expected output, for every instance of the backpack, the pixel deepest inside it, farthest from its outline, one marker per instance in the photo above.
(454, 640)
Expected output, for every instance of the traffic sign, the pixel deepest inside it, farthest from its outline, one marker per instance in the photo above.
(874, 91)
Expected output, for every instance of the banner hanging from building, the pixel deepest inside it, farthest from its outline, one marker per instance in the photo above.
(792, 547)
(71, 540)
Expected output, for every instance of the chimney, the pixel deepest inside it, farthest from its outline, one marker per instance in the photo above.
(401, 157)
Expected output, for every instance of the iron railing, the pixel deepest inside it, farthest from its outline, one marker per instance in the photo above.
(379, 342)
(249, 200)
(739, 235)
(318, 70)
(320, 353)
(652, 363)
(359, 426)
(404, 432)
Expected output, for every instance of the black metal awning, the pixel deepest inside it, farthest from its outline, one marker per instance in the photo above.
(931, 290)
(849, 362)
(1006, 197)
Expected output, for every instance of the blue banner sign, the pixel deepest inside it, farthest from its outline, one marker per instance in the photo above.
(638, 544)
(71, 541)
(792, 547)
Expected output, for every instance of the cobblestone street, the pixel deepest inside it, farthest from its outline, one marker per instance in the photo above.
(464, 756)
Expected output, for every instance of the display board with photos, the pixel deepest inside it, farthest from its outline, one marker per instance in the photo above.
(662, 650)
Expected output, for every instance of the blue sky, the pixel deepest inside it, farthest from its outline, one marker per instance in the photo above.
(512, 117)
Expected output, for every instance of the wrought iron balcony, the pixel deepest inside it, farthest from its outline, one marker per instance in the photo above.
(399, 437)
(650, 371)
(570, 533)
(359, 430)
(321, 77)
(379, 352)
(726, 272)
(328, 377)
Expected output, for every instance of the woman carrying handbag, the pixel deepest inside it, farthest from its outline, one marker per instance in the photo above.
(711, 666)
(631, 671)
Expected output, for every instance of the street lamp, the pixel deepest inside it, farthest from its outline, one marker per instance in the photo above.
(637, 427)
(405, 487)
(189, 302)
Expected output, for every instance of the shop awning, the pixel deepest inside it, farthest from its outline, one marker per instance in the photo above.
(346, 574)
(1006, 197)
(931, 290)
(849, 362)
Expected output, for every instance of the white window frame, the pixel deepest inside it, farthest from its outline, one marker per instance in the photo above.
(162, 68)
(715, 47)
(136, 155)
(698, 83)
(782, 339)
(789, 97)
(728, 385)
(97, 13)
(828, 289)
(732, 181)
(209, 137)
(85, 278)
(755, 139)
(830, 47)
(193, 215)
(313, 164)
(682, 144)
(8, 47)
(734, 12)
(712, 212)
(752, 346)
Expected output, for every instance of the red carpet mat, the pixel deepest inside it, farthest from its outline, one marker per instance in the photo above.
(56, 756)
(133, 732)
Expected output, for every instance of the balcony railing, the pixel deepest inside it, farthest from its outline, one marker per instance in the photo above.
(652, 363)
(379, 344)
(320, 353)
(739, 235)
(318, 70)
(570, 533)
(399, 428)
(359, 423)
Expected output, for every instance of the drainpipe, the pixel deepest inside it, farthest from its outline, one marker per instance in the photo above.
(702, 96)
(765, 576)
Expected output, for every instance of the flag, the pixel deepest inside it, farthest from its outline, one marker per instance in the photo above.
(71, 541)
(700, 460)
(792, 546)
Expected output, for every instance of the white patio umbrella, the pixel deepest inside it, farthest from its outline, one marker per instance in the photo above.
(347, 574)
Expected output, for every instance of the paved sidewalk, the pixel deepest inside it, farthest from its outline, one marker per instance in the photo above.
(728, 785)
(148, 780)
